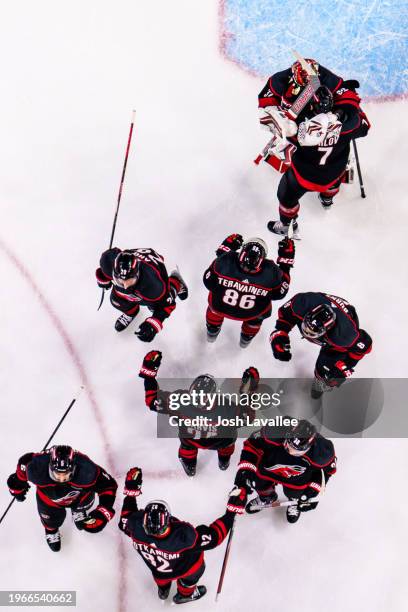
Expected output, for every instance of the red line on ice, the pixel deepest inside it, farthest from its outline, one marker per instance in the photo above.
(73, 353)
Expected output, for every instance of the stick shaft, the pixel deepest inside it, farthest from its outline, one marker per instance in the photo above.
(360, 176)
(224, 563)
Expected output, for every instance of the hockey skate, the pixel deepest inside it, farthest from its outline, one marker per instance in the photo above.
(245, 340)
(293, 513)
(261, 503)
(277, 227)
(189, 468)
(212, 333)
(325, 201)
(223, 463)
(163, 592)
(182, 293)
(123, 322)
(53, 540)
(199, 592)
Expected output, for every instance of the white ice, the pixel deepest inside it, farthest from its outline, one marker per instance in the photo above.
(71, 74)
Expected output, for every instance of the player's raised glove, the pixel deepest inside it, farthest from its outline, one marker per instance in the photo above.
(237, 500)
(250, 380)
(280, 345)
(18, 488)
(103, 281)
(133, 482)
(98, 519)
(286, 253)
(233, 242)
(148, 329)
(151, 364)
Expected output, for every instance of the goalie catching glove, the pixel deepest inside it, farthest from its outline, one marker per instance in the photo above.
(275, 119)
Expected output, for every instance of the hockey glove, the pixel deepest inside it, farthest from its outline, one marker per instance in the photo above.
(18, 488)
(103, 281)
(280, 345)
(231, 243)
(133, 482)
(237, 500)
(98, 519)
(148, 329)
(151, 364)
(245, 479)
(250, 380)
(286, 253)
(306, 504)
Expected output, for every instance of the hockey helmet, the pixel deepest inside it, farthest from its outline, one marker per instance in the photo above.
(202, 386)
(300, 438)
(322, 101)
(252, 255)
(126, 267)
(62, 463)
(318, 321)
(156, 518)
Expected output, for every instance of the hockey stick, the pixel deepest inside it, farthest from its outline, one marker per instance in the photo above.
(47, 443)
(360, 177)
(122, 180)
(224, 563)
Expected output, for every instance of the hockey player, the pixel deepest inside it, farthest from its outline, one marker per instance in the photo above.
(314, 149)
(332, 323)
(205, 436)
(242, 284)
(301, 460)
(173, 550)
(138, 277)
(65, 478)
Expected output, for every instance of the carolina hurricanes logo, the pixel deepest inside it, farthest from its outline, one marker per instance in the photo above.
(286, 471)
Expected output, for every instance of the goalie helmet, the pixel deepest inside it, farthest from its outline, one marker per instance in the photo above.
(252, 255)
(318, 321)
(156, 518)
(300, 438)
(62, 463)
(126, 266)
(322, 101)
(299, 74)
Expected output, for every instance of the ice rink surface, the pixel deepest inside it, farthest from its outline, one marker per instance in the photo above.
(71, 74)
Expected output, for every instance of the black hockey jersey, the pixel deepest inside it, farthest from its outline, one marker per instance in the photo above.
(265, 455)
(240, 295)
(345, 336)
(88, 478)
(181, 550)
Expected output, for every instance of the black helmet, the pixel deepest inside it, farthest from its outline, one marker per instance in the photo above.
(205, 383)
(126, 266)
(299, 438)
(62, 463)
(322, 101)
(156, 518)
(252, 254)
(318, 321)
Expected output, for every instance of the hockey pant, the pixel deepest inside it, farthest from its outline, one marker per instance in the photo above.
(289, 193)
(52, 516)
(264, 488)
(249, 328)
(188, 451)
(186, 583)
(131, 308)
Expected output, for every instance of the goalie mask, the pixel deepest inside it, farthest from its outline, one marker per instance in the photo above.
(252, 255)
(318, 321)
(299, 75)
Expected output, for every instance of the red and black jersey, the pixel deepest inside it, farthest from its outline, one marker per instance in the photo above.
(266, 456)
(241, 295)
(182, 550)
(344, 337)
(319, 168)
(152, 288)
(88, 478)
(205, 435)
